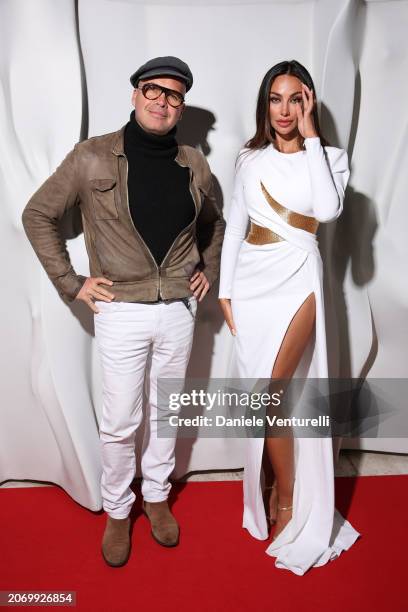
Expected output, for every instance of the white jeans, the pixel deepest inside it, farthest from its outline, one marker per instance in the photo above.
(127, 334)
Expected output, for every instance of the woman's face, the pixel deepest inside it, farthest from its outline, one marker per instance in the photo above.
(285, 94)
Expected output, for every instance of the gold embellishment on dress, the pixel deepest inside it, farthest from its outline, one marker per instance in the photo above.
(304, 222)
(261, 235)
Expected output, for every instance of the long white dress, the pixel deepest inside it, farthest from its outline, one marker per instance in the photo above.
(267, 283)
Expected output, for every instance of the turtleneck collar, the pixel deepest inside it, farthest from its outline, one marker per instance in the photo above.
(151, 145)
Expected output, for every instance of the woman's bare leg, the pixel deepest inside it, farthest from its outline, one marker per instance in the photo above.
(280, 450)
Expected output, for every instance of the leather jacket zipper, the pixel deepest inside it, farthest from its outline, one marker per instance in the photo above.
(187, 226)
(141, 238)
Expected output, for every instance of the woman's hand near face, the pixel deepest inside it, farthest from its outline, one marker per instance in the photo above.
(225, 304)
(306, 124)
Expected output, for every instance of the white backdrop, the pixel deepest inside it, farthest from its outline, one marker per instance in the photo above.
(64, 76)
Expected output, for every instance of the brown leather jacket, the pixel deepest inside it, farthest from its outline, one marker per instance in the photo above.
(94, 176)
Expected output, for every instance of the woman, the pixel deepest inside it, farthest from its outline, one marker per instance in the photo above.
(271, 293)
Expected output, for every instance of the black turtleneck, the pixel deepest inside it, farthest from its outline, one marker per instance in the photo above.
(160, 201)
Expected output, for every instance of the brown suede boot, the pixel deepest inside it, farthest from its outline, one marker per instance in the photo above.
(165, 529)
(116, 541)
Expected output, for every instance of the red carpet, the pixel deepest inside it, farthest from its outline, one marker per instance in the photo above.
(48, 542)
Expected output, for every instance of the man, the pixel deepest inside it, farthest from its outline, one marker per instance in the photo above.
(153, 234)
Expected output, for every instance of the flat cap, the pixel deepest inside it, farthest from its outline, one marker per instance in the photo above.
(163, 66)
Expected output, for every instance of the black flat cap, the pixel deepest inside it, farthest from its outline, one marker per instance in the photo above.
(163, 66)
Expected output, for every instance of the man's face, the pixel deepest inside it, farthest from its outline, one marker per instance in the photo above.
(157, 116)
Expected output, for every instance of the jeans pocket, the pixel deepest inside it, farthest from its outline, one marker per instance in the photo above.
(107, 307)
(193, 304)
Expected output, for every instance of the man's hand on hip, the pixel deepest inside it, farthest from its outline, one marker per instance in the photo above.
(91, 291)
(199, 285)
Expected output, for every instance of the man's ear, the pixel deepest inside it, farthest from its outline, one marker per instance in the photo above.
(134, 94)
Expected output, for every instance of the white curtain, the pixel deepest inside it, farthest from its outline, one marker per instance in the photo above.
(64, 76)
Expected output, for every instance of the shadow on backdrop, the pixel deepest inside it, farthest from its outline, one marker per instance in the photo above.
(347, 243)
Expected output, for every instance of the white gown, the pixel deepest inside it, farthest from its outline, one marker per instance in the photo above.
(267, 283)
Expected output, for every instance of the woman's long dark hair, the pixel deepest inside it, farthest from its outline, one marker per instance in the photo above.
(265, 133)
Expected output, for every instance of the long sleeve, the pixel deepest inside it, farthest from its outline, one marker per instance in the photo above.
(40, 220)
(328, 179)
(234, 235)
(210, 229)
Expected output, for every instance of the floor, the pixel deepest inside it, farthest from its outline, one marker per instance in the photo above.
(351, 463)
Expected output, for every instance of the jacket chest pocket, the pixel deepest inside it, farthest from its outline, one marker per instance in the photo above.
(104, 194)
